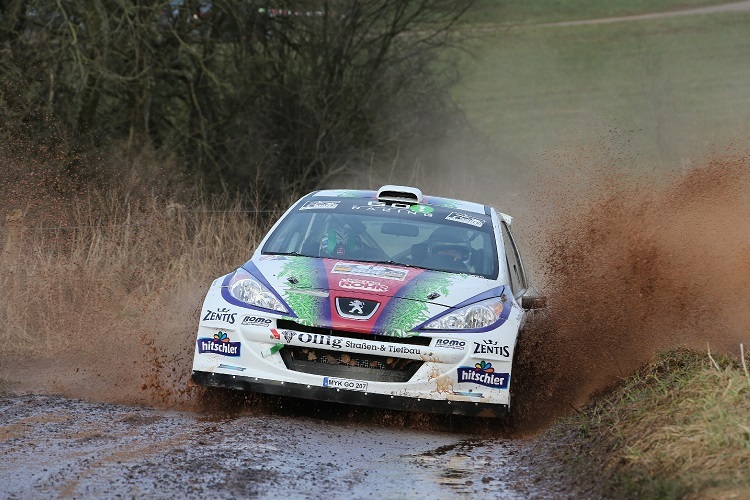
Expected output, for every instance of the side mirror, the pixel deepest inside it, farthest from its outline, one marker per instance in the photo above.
(533, 302)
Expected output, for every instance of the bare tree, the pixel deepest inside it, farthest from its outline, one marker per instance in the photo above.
(300, 92)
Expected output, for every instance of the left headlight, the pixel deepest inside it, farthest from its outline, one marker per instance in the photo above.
(245, 287)
(478, 315)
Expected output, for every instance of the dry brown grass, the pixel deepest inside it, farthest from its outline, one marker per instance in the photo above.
(108, 251)
(101, 288)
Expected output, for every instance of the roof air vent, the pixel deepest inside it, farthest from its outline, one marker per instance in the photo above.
(400, 194)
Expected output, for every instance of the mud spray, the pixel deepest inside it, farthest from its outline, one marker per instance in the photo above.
(629, 269)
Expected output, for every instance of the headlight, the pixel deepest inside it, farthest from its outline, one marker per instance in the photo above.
(246, 288)
(477, 315)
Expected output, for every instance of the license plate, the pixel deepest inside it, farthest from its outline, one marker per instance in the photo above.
(342, 383)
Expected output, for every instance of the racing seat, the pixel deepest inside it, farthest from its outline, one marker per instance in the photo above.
(419, 254)
(477, 261)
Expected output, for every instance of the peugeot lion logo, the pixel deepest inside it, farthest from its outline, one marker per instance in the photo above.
(359, 309)
(356, 307)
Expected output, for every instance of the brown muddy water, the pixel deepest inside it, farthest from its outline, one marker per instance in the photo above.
(60, 447)
(630, 268)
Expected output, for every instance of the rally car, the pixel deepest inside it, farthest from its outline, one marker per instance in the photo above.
(389, 299)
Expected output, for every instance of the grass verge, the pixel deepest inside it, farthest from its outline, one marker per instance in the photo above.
(679, 428)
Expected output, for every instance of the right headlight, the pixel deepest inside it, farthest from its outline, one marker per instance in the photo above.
(478, 315)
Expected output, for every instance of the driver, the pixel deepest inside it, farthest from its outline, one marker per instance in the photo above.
(449, 249)
(340, 240)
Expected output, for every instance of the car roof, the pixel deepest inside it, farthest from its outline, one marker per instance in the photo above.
(436, 201)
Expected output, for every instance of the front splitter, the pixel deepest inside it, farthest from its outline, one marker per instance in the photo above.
(252, 384)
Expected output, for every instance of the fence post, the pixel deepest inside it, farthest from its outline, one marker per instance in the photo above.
(14, 227)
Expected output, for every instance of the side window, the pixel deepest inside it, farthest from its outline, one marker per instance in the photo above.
(517, 276)
(288, 236)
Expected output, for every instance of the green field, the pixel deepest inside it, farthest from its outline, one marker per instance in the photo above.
(661, 92)
(545, 11)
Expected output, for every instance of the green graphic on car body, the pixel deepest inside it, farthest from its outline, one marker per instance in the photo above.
(406, 314)
(421, 209)
(445, 203)
(307, 307)
(349, 194)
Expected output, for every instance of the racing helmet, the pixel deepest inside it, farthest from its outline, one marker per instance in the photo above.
(449, 240)
(340, 240)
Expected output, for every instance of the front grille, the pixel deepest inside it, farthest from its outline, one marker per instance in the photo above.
(291, 325)
(349, 365)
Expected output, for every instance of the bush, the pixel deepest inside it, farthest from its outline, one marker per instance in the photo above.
(247, 97)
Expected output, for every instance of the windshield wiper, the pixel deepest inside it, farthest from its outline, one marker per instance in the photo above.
(391, 262)
(297, 254)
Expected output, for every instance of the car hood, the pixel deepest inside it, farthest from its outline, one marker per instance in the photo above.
(366, 297)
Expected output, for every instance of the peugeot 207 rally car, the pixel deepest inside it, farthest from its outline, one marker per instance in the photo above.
(389, 299)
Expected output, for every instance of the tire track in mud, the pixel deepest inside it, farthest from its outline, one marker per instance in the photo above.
(99, 450)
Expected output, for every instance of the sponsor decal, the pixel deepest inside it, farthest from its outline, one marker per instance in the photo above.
(273, 257)
(362, 285)
(220, 344)
(405, 350)
(363, 346)
(288, 335)
(232, 367)
(465, 219)
(256, 321)
(322, 340)
(359, 309)
(341, 383)
(421, 209)
(469, 394)
(483, 374)
(221, 314)
(318, 205)
(491, 347)
(370, 270)
(396, 208)
(272, 350)
(450, 343)
(275, 334)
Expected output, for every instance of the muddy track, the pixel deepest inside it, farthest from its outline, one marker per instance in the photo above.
(58, 447)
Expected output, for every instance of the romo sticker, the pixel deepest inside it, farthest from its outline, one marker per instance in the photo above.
(483, 374)
(256, 321)
(220, 344)
(450, 343)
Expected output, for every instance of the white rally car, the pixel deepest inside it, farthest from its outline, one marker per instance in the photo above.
(389, 299)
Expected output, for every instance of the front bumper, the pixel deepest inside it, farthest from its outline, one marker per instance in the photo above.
(327, 394)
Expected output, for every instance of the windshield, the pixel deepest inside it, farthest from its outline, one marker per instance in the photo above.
(369, 231)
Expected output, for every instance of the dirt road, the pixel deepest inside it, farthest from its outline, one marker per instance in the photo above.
(58, 447)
